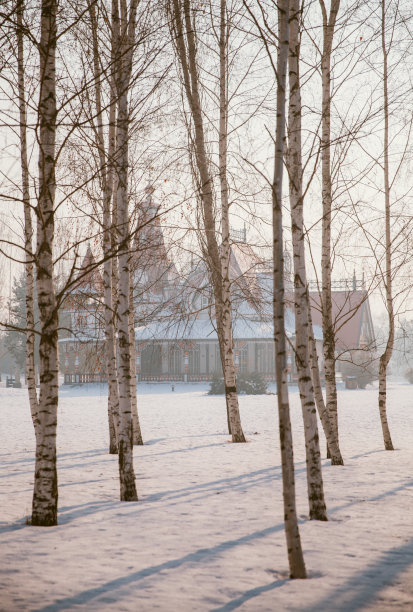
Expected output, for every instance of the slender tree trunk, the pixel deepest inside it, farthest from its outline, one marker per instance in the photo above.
(295, 171)
(329, 22)
(228, 354)
(295, 555)
(44, 508)
(106, 160)
(386, 356)
(336, 458)
(137, 434)
(124, 32)
(28, 225)
(114, 386)
(186, 51)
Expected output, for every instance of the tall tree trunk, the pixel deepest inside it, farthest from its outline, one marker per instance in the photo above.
(186, 51)
(227, 341)
(28, 225)
(295, 172)
(44, 507)
(295, 555)
(329, 22)
(106, 160)
(332, 442)
(386, 356)
(124, 33)
(137, 434)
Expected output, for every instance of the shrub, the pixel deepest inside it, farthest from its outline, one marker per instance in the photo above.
(217, 385)
(409, 375)
(250, 384)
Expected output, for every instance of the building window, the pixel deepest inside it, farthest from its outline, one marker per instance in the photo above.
(264, 358)
(243, 359)
(151, 360)
(175, 359)
(194, 360)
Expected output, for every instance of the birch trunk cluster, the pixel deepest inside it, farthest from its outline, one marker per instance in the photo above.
(121, 59)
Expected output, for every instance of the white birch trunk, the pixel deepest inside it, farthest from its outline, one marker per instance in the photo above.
(186, 50)
(386, 356)
(295, 555)
(28, 225)
(226, 311)
(336, 458)
(137, 434)
(124, 33)
(326, 303)
(312, 443)
(45, 494)
(106, 178)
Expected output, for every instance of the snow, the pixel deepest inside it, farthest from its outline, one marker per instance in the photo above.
(207, 533)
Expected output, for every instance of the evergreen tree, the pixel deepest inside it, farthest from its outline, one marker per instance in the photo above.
(15, 339)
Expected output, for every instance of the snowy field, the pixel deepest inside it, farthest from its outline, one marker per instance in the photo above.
(207, 533)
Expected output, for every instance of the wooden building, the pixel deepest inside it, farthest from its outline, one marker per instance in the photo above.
(174, 314)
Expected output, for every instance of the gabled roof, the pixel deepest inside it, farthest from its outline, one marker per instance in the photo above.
(351, 318)
(203, 329)
(244, 267)
(90, 278)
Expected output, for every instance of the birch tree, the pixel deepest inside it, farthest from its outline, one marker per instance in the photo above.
(185, 39)
(106, 160)
(295, 555)
(28, 225)
(137, 433)
(124, 27)
(329, 21)
(388, 272)
(45, 495)
(301, 298)
(336, 458)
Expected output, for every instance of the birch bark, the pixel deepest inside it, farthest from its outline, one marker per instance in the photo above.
(28, 225)
(329, 22)
(301, 299)
(386, 356)
(106, 160)
(45, 494)
(336, 458)
(218, 263)
(124, 34)
(295, 555)
(228, 353)
(137, 434)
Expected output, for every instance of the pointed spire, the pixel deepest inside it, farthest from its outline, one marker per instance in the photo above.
(92, 279)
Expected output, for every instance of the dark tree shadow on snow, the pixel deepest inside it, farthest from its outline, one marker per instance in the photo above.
(364, 588)
(109, 591)
(236, 603)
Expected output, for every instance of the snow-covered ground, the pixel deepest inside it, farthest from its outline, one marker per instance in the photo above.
(207, 533)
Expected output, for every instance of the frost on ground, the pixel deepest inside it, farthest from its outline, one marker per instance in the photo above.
(207, 533)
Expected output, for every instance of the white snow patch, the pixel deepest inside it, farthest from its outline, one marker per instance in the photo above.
(207, 533)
